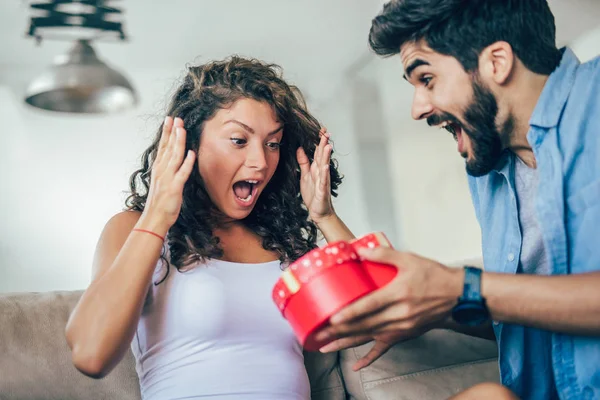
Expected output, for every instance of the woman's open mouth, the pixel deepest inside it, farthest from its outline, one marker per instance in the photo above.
(245, 192)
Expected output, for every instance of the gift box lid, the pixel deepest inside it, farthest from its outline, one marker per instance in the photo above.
(314, 262)
(308, 266)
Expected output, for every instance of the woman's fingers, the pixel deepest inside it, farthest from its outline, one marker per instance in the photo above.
(322, 162)
(166, 131)
(164, 160)
(326, 155)
(178, 150)
(186, 168)
(316, 163)
(169, 148)
(324, 180)
(164, 140)
(320, 146)
(303, 162)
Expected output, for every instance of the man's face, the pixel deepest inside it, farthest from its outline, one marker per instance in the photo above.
(449, 97)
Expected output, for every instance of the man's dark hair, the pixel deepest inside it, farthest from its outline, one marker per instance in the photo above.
(463, 28)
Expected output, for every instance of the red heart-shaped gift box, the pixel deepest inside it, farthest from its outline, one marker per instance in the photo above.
(323, 281)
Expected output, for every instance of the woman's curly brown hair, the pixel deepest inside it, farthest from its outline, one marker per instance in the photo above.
(279, 216)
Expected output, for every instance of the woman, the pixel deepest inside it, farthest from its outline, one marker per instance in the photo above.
(232, 190)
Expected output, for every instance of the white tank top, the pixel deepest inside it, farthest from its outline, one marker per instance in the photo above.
(213, 332)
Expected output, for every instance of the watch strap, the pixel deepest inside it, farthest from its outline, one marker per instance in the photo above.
(472, 285)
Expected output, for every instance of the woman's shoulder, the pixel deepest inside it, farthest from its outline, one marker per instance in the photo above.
(126, 217)
(118, 228)
(123, 221)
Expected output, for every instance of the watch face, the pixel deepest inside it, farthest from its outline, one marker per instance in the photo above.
(470, 313)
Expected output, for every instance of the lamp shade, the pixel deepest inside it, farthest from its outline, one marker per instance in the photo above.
(78, 82)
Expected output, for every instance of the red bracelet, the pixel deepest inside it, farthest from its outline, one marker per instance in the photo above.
(150, 232)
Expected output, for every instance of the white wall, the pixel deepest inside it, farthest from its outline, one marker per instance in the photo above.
(63, 176)
(587, 46)
(433, 210)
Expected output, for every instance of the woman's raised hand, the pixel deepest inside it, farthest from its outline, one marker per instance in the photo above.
(170, 170)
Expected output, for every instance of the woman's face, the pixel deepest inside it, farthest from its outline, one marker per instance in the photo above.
(238, 155)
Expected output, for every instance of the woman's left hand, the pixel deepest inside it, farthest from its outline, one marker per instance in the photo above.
(315, 183)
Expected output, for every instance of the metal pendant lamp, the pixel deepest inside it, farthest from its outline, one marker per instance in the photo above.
(78, 81)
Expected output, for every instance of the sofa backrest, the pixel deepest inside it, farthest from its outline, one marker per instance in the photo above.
(35, 361)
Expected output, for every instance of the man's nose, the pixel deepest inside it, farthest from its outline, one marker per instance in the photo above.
(421, 106)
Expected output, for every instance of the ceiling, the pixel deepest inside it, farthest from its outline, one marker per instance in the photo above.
(312, 39)
(308, 36)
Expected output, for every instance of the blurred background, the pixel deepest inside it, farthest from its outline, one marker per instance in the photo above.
(64, 174)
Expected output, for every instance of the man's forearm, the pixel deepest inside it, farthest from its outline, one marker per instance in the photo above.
(565, 303)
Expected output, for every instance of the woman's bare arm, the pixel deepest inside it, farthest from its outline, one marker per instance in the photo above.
(102, 325)
(104, 321)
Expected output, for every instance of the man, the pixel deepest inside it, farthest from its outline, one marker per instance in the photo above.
(525, 115)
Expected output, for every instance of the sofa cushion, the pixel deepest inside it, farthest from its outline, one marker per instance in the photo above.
(325, 376)
(434, 366)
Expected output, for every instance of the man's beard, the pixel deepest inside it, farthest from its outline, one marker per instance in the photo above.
(480, 126)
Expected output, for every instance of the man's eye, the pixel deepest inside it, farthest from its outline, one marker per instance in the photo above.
(238, 141)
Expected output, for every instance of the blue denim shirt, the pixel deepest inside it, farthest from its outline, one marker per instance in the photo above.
(565, 136)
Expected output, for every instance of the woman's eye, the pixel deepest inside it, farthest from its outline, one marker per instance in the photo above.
(238, 141)
(274, 145)
(425, 80)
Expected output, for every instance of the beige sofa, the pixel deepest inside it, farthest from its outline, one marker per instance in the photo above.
(35, 361)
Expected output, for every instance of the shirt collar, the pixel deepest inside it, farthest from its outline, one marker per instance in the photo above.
(553, 98)
(504, 164)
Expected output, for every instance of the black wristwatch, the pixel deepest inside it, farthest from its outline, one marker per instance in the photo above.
(471, 309)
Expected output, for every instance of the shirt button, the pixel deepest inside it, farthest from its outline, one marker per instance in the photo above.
(511, 257)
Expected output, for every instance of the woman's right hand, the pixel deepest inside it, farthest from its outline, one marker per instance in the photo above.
(170, 171)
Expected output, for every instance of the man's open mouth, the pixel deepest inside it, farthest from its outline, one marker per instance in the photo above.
(454, 128)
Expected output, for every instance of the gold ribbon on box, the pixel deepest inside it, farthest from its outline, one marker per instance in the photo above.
(290, 281)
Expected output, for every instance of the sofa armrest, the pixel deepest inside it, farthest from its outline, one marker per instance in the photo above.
(35, 361)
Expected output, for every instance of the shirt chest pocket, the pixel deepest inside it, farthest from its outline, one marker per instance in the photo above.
(583, 219)
(585, 198)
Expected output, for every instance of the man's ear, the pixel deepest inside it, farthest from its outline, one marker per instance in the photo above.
(496, 62)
